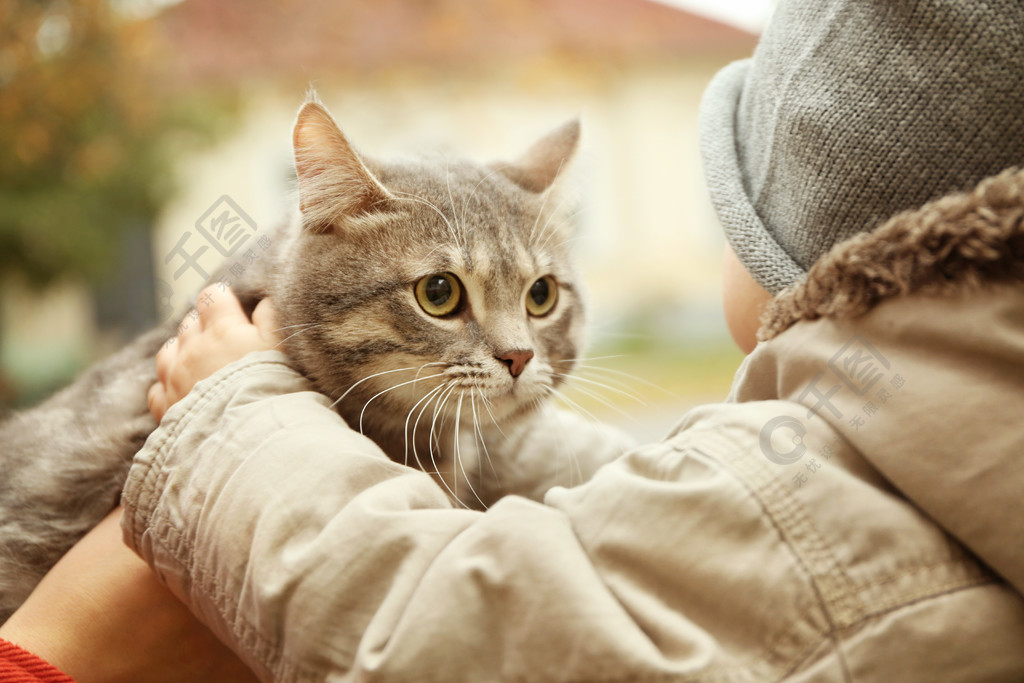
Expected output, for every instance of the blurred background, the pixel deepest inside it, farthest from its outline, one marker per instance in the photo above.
(129, 128)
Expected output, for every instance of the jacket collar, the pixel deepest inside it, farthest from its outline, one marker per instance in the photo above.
(959, 241)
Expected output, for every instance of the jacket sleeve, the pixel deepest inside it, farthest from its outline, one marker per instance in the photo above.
(316, 557)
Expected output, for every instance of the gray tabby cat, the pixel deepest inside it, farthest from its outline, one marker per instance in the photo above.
(433, 301)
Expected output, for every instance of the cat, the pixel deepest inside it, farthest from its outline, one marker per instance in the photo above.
(432, 299)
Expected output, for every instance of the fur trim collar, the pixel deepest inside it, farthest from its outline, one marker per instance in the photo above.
(961, 240)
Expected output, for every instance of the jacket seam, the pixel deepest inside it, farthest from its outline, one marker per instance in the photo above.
(799, 532)
(838, 635)
(178, 546)
(792, 630)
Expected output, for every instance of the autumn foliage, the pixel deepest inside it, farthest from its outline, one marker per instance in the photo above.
(86, 131)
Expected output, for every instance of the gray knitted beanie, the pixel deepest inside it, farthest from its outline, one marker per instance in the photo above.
(853, 110)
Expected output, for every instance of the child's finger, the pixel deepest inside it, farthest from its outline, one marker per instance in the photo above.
(157, 399)
(264, 317)
(189, 327)
(164, 358)
(218, 303)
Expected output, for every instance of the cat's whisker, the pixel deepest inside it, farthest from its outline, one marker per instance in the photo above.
(549, 229)
(426, 402)
(433, 440)
(410, 437)
(433, 364)
(547, 195)
(569, 217)
(381, 393)
(545, 245)
(581, 363)
(591, 373)
(550, 225)
(455, 447)
(627, 375)
(480, 434)
(378, 374)
(451, 201)
(420, 200)
(603, 401)
(578, 378)
(433, 462)
(476, 187)
(540, 211)
(588, 358)
(437, 398)
(571, 403)
(567, 241)
(288, 327)
(437, 247)
(458, 452)
(487, 407)
(294, 334)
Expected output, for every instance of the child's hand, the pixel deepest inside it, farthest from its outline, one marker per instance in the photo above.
(211, 337)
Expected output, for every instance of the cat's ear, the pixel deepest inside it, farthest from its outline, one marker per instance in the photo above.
(537, 169)
(333, 180)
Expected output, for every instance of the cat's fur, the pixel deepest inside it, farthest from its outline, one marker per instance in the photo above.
(429, 390)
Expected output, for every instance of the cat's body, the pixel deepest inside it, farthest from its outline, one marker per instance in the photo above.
(433, 300)
(62, 464)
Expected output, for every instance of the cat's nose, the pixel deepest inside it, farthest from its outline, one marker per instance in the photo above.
(515, 360)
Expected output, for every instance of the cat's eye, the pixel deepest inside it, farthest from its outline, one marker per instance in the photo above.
(542, 295)
(439, 294)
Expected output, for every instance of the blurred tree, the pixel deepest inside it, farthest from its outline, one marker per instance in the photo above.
(86, 133)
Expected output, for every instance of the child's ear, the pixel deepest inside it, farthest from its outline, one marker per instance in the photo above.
(537, 169)
(333, 180)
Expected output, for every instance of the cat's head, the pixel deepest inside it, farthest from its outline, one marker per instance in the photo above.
(417, 289)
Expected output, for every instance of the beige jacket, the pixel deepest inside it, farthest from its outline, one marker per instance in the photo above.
(853, 512)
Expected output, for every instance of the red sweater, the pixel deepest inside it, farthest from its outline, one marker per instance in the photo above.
(21, 666)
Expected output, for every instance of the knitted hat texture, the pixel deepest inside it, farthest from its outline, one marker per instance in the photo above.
(853, 110)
